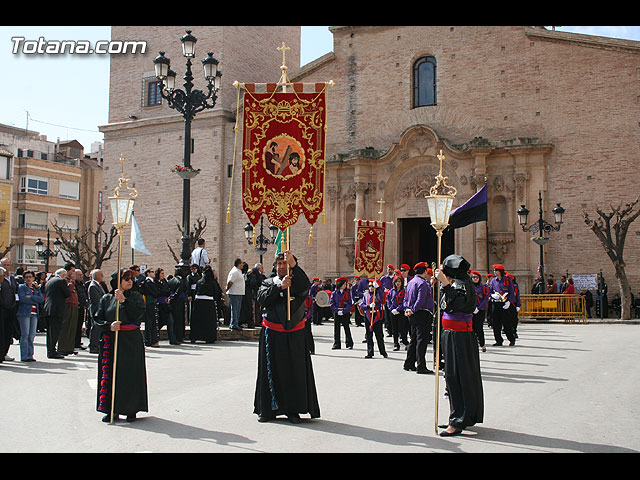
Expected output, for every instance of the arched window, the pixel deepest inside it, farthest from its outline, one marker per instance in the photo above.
(424, 82)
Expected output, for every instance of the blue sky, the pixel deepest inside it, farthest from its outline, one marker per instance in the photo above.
(66, 96)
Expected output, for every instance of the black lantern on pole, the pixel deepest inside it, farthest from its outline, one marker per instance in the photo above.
(47, 253)
(261, 241)
(541, 226)
(188, 102)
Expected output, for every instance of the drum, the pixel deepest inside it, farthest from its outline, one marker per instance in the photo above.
(322, 298)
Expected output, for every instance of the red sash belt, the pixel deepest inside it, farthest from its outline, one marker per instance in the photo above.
(278, 327)
(457, 325)
(128, 328)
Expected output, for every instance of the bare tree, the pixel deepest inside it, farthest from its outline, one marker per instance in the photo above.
(611, 229)
(5, 250)
(199, 226)
(86, 250)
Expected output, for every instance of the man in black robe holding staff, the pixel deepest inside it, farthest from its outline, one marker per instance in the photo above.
(285, 384)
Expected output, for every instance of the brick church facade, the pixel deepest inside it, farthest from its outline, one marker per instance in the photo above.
(524, 109)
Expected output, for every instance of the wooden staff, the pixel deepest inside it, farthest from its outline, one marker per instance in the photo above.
(115, 343)
(285, 245)
(437, 323)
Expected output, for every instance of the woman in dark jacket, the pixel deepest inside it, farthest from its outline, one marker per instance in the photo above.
(204, 318)
(131, 373)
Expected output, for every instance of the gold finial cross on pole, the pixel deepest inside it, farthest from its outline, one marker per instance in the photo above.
(283, 78)
(382, 202)
(283, 48)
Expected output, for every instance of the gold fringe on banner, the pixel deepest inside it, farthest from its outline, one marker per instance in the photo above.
(311, 235)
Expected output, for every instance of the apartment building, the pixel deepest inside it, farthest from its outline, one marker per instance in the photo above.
(48, 183)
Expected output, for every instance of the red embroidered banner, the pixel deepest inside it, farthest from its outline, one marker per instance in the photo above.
(283, 153)
(369, 257)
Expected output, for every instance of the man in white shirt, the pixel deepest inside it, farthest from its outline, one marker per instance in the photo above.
(235, 291)
(199, 255)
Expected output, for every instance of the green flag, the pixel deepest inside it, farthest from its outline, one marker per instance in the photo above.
(278, 242)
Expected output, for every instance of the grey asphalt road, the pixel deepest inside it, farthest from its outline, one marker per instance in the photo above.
(562, 388)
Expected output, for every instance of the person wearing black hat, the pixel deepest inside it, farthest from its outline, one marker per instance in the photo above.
(460, 346)
(503, 299)
(285, 383)
(418, 308)
(131, 372)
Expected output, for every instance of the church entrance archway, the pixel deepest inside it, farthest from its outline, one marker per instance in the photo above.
(418, 242)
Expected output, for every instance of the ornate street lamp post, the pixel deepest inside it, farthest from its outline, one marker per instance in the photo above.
(260, 241)
(540, 227)
(439, 201)
(188, 102)
(47, 253)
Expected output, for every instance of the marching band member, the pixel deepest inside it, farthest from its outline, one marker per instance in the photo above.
(341, 304)
(482, 297)
(516, 303)
(357, 290)
(395, 304)
(502, 297)
(418, 305)
(372, 305)
(404, 271)
(387, 282)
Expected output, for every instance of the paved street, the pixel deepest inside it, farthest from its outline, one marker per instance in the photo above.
(562, 388)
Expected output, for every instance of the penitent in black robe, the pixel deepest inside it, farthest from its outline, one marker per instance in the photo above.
(131, 374)
(461, 358)
(285, 383)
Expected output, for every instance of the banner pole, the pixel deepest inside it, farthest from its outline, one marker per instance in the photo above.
(289, 269)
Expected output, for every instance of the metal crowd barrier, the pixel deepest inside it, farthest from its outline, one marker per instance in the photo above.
(565, 306)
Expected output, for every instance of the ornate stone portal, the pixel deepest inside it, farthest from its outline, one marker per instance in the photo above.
(402, 176)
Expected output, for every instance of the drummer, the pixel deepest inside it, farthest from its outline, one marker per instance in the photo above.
(313, 291)
(322, 305)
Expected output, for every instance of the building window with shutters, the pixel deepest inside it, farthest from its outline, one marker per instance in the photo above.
(153, 96)
(424, 82)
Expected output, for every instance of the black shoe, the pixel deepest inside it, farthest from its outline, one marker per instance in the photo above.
(131, 418)
(106, 418)
(368, 356)
(385, 355)
(409, 369)
(262, 419)
(426, 371)
(396, 348)
(444, 433)
(335, 348)
(511, 344)
(56, 355)
(294, 418)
